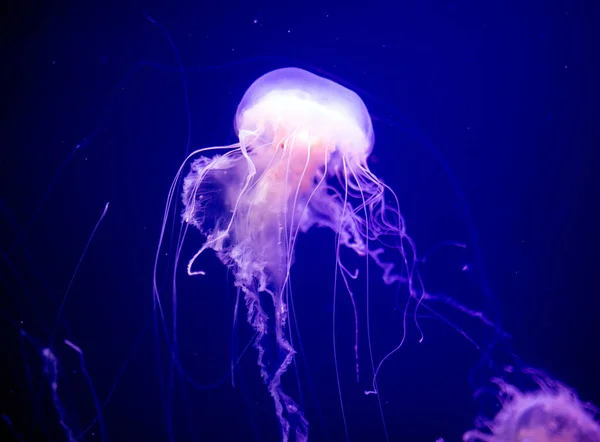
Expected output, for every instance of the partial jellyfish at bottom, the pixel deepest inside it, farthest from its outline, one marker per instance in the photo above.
(549, 411)
(301, 162)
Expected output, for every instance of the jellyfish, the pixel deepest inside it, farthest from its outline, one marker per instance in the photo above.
(550, 412)
(301, 162)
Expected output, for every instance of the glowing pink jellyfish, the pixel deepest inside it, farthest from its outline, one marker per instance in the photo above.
(550, 413)
(301, 161)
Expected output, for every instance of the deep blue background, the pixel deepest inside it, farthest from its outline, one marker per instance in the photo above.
(504, 96)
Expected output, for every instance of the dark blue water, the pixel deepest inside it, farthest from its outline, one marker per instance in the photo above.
(485, 119)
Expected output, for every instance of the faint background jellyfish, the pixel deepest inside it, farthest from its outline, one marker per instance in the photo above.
(301, 162)
(548, 412)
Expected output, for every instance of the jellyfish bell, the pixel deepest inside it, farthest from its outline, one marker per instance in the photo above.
(296, 124)
(300, 162)
(294, 101)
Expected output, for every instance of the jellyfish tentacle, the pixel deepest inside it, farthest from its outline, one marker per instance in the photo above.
(283, 402)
